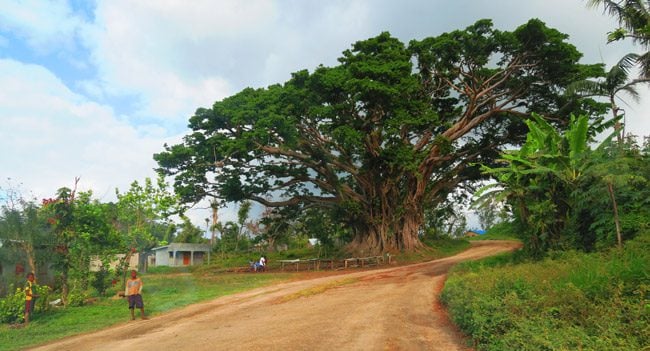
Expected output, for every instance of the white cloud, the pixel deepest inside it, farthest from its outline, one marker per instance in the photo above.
(174, 57)
(45, 25)
(171, 57)
(51, 135)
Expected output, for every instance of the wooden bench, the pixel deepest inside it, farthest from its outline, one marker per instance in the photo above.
(283, 262)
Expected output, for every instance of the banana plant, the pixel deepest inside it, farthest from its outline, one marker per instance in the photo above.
(540, 179)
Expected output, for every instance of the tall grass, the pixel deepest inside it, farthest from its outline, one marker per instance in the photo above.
(570, 301)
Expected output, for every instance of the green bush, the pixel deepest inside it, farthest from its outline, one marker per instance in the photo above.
(43, 301)
(568, 301)
(102, 280)
(77, 298)
(12, 306)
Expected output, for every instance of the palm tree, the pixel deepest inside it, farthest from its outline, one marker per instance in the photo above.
(634, 20)
(616, 81)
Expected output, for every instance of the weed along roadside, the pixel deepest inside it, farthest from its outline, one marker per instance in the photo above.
(567, 301)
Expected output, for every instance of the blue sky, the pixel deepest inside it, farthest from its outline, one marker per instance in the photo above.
(93, 89)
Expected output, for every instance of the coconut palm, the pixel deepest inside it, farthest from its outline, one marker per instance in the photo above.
(634, 20)
(615, 82)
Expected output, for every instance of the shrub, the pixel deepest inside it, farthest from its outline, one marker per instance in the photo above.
(12, 306)
(102, 280)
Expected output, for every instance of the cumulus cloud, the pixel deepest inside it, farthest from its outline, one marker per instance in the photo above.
(51, 135)
(166, 58)
(176, 57)
(45, 25)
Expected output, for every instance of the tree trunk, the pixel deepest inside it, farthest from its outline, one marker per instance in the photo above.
(610, 188)
(29, 252)
(371, 240)
(387, 233)
(409, 239)
(215, 219)
(618, 126)
(64, 286)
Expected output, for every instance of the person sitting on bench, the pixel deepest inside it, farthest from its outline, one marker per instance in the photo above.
(260, 265)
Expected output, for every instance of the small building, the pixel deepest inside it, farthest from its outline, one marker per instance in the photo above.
(133, 262)
(179, 254)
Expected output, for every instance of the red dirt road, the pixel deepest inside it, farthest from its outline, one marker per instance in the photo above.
(381, 309)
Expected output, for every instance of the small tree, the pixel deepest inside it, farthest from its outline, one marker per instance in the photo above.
(143, 213)
(189, 233)
(21, 226)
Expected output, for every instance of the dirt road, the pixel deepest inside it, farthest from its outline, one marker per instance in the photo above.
(382, 309)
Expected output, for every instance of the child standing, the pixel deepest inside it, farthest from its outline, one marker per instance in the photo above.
(30, 297)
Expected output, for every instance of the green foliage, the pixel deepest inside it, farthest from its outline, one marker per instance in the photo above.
(12, 306)
(443, 247)
(540, 180)
(143, 213)
(391, 130)
(633, 16)
(82, 227)
(24, 236)
(625, 168)
(568, 301)
(562, 193)
(77, 298)
(102, 280)
(505, 230)
(190, 233)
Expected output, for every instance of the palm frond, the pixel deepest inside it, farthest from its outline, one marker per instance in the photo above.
(628, 62)
(631, 91)
(644, 65)
(611, 8)
(585, 88)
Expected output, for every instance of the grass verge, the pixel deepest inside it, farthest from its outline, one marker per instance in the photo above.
(570, 301)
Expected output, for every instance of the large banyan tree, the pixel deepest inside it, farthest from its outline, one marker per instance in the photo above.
(391, 129)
